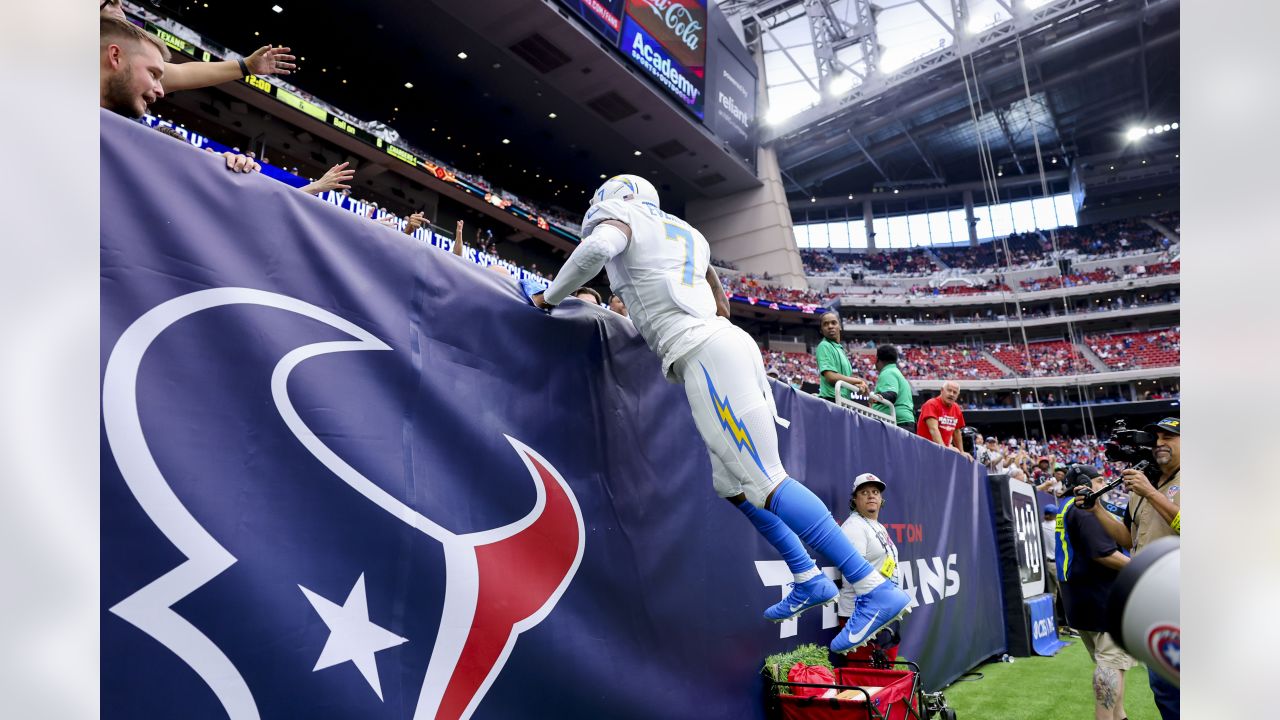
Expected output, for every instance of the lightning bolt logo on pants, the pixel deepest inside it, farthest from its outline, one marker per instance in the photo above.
(737, 431)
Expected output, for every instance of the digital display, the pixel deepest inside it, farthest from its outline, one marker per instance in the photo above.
(668, 40)
(297, 102)
(602, 16)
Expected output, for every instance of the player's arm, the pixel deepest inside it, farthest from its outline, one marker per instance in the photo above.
(457, 240)
(722, 300)
(606, 241)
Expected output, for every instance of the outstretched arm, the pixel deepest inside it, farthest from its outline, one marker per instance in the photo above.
(608, 239)
(266, 60)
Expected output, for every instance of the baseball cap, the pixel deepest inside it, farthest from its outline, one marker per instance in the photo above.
(866, 478)
(1050, 508)
(1169, 425)
(992, 439)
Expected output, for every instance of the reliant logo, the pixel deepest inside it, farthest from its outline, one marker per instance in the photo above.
(662, 67)
(679, 20)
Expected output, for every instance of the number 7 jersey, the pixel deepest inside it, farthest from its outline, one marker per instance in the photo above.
(661, 276)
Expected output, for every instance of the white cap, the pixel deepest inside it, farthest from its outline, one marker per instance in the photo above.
(865, 478)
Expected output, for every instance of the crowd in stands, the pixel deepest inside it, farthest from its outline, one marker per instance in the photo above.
(1040, 359)
(1158, 348)
(378, 129)
(757, 286)
(947, 362)
(900, 262)
(1024, 251)
(720, 263)
(1054, 282)
(794, 368)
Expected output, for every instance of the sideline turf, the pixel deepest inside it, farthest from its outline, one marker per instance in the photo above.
(1059, 687)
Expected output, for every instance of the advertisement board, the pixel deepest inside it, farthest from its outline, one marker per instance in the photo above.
(667, 39)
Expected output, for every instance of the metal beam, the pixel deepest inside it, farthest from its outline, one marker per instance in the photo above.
(845, 164)
(927, 162)
(1023, 23)
(787, 53)
(870, 159)
(815, 147)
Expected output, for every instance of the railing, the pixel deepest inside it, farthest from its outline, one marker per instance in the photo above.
(850, 404)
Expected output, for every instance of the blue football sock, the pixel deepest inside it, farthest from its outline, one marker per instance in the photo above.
(780, 537)
(804, 513)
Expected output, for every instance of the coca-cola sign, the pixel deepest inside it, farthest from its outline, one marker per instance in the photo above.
(680, 26)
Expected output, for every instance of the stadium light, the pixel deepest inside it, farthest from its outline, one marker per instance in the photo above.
(409, 85)
(462, 56)
(505, 141)
(1135, 134)
(277, 8)
(551, 115)
(637, 153)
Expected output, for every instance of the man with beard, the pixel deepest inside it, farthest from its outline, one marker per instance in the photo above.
(1154, 511)
(130, 67)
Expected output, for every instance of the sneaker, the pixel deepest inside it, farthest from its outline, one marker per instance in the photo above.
(808, 594)
(871, 614)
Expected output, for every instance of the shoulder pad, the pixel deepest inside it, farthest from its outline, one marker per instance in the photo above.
(611, 209)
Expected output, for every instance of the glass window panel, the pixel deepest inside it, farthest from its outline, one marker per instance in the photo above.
(919, 226)
(881, 229)
(1046, 215)
(802, 235)
(857, 234)
(818, 235)
(982, 216)
(1001, 220)
(959, 226)
(1024, 220)
(838, 233)
(899, 235)
(940, 227)
(1066, 209)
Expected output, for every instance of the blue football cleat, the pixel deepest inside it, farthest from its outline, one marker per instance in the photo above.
(871, 614)
(808, 594)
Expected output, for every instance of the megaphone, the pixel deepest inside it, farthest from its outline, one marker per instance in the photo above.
(1143, 608)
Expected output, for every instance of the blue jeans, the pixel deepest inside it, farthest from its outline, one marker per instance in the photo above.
(1168, 696)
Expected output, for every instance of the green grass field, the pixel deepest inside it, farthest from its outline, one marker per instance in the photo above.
(1058, 687)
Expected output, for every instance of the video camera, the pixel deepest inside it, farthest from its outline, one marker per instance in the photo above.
(1130, 446)
(1135, 447)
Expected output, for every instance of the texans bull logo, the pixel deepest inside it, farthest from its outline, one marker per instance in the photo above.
(481, 618)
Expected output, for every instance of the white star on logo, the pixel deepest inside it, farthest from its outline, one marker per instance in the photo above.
(352, 636)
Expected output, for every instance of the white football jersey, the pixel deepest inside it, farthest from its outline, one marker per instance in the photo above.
(661, 276)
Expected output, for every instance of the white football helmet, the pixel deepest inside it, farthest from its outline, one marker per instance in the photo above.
(626, 187)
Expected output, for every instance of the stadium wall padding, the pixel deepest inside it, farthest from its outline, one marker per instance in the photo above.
(348, 475)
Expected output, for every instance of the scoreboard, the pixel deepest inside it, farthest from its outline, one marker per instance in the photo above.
(691, 53)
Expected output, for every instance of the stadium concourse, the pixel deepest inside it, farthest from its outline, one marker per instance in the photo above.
(984, 211)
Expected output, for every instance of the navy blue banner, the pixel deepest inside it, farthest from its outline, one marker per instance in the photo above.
(1044, 626)
(349, 475)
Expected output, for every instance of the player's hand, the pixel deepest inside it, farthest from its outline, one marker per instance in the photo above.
(1137, 483)
(335, 178)
(540, 303)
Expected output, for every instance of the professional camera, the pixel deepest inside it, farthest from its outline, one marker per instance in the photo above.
(969, 439)
(1130, 446)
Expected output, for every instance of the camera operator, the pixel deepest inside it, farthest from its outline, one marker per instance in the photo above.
(1154, 511)
(1087, 560)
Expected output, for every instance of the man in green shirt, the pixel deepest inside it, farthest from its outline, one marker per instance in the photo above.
(833, 362)
(893, 392)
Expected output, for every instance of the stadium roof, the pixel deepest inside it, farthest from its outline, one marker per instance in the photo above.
(889, 94)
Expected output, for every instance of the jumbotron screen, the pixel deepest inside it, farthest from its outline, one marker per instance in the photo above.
(667, 39)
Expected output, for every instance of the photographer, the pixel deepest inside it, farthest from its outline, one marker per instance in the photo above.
(1154, 511)
(1087, 560)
